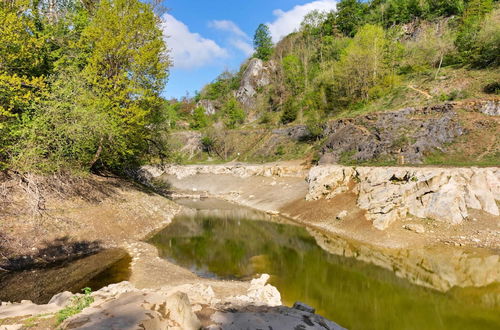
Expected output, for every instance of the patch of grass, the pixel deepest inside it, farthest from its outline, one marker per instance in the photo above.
(447, 159)
(78, 304)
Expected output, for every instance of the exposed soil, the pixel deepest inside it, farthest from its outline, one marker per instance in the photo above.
(99, 213)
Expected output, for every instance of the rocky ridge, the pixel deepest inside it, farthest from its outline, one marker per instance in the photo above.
(391, 193)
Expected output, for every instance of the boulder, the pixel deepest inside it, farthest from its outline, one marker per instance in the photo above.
(491, 108)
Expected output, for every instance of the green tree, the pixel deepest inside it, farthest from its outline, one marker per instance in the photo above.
(263, 43)
(200, 119)
(234, 115)
(487, 44)
(470, 27)
(350, 15)
(362, 64)
(126, 71)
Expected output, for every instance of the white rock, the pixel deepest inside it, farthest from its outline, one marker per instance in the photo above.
(342, 215)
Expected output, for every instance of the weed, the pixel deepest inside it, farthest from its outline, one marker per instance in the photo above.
(78, 304)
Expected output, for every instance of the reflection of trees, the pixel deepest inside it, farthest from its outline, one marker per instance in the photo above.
(348, 291)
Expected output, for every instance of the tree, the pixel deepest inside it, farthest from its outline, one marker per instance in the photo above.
(487, 45)
(263, 43)
(470, 27)
(200, 119)
(350, 15)
(233, 113)
(362, 64)
(126, 71)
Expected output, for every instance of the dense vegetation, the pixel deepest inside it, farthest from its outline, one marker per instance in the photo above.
(342, 62)
(80, 80)
(80, 84)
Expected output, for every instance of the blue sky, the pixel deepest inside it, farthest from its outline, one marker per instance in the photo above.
(207, 37)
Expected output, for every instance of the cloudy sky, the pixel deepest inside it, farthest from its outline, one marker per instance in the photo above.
(206, 37)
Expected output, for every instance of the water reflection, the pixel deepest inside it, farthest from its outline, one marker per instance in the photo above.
(239, 243)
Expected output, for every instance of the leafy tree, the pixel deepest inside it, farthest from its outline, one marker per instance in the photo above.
(200, 119)
(294, 73)
(437, 8)
(362, 64)
(263, 43)
(350, 15)
(233, 113)
(126, 71)
(470, 27)
(487, 44)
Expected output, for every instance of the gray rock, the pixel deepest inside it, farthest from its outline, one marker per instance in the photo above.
(303, 307)
(491, 108)
(275, 318)
(256, 75)
(62, 299)
(404, 134)
(209, 106)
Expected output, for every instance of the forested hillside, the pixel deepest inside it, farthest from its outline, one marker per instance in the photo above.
(366, 56)
(81, 80)
(80, 84)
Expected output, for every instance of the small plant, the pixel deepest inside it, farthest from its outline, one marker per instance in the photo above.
(280, 151)
(78, 304)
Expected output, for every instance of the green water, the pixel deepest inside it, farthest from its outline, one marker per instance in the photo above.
(235, 244)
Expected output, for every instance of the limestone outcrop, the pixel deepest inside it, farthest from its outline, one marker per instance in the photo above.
(209, 106)
(256, 75)
(238, 170)
(123, 306)
(391, 193)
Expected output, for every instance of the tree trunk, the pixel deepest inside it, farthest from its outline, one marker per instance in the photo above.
(439, 67)
(97, 154)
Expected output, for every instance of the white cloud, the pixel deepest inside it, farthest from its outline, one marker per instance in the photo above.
(244, 46)
(289, 21)
(228, 26)
(189, 50)
(238, 39)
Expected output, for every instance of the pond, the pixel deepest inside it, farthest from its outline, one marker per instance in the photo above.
(40, 285)
(222, 241)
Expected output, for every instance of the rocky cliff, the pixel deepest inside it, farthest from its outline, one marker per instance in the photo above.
(466, 130)
(386, 193)
(391, 193)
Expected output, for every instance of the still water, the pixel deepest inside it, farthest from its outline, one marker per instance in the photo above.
(222, 241)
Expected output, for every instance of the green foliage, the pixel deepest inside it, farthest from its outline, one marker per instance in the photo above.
(234, 115)
(263, 43)
(471, 24)
(294, 72)
(290, 111)
(200, 119)
(78, 304)
(221, 87)
(350, 15)
(362, 64)
(80, 84)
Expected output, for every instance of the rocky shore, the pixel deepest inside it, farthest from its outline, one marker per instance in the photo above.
(437, 227)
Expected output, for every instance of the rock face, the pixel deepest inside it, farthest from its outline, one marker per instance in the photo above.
(238, 170)
(208, 105)
(388, 193)
(123, 306)
(491, 108)
(404, 134)
(256, 75)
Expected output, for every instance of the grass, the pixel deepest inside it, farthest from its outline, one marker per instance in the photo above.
(78, 304)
